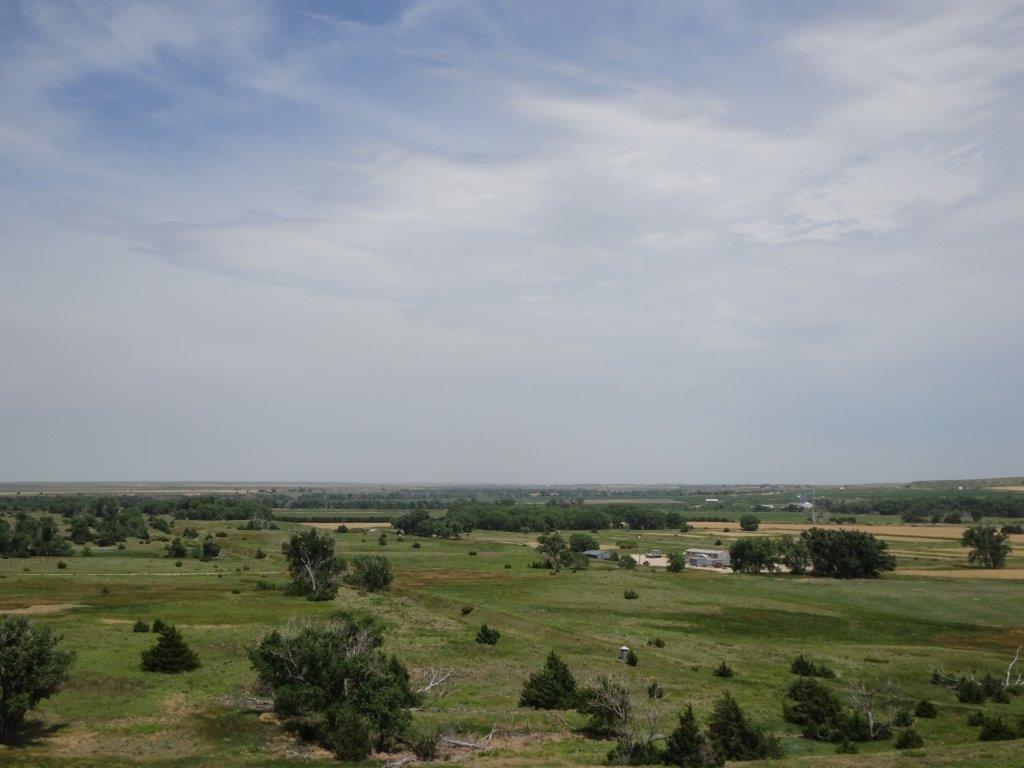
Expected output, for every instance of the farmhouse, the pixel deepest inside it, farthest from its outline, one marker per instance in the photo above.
(707, 558)
(598, 554)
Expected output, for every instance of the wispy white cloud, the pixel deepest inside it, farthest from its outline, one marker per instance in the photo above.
(468, 188)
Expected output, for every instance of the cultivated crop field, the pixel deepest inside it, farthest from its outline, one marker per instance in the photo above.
(898, 627)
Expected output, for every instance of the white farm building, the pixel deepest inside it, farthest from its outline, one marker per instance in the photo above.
(707, 558)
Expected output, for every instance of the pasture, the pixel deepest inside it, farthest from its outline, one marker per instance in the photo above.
(898, 627)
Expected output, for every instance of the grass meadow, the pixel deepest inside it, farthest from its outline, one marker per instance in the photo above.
(899, 627)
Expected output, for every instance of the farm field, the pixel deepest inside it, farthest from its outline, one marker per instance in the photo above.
(898, 627)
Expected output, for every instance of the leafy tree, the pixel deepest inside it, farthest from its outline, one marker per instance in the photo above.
(558, 552)
(736, 739)
(371, 572)
(171, 654)
(161, 524)
(847, 554)
(608, 706)
(793, 553)
(581, 542)
(312, 564)
(32, 668)
(989, 547)
(690, 747)
(553, 687)
(80, 531)
(628, 563)
(487, 635)
(750, 523)
(333, 673)
(752, 554)
(676, 562)
(210, 549)
(176, 549)
(259, 518)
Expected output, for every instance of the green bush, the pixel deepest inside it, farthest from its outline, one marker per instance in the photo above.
(805, 668)
(925, 709)
(631, 658)
(553, 687)
(908, 739)
(630, 594)
(688, 746)
(722, 670)
(140, 626)
(749, 523)
(347, 734)
(997, 729)
(425, 744)
(902, 719)
(819, 712)
(371, 572)
(736, 739)
(171, 654)
(487, 636)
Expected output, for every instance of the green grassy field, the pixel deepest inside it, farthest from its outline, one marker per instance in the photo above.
(898, 627)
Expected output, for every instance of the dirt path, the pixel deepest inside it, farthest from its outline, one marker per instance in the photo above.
(906, 532)
(41, 609)
(965, 573)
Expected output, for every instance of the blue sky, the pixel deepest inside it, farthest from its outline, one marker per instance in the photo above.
(449, 240)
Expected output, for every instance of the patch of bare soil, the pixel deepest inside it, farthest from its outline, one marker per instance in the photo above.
(41, 609)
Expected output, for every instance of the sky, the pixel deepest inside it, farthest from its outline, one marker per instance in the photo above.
(521, 242)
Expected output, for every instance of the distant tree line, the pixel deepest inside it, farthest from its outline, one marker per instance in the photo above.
(926, 507)
(181, 507)
(463, 517)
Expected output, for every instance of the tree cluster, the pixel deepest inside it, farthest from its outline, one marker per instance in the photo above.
(32, 536)
(836, 553)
